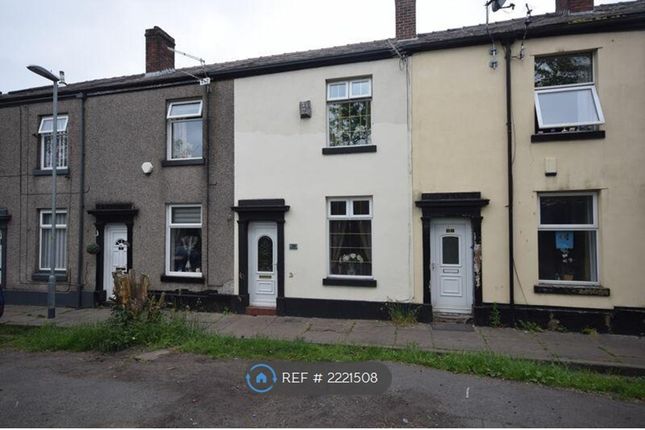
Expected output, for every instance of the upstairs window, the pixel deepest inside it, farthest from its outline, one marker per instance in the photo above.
(349, 112)
(565, 93)
(185, 130)
(46, 131)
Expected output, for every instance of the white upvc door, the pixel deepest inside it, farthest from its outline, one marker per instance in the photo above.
(263, 264)
(451, 265)
(115, 254)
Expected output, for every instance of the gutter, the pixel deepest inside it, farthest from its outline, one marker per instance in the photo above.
(81, 203)
(509, 154)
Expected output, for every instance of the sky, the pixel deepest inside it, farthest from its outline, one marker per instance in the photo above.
(92, 39)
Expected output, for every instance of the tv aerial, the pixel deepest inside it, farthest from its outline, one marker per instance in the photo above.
(202, 81)
(495, 5)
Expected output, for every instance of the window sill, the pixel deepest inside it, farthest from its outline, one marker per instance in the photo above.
(48, 172)
(182, 279)
(349, 282)
(190, 162)
(572, 135)
(571, 290)
(44, 276)
(350, 149)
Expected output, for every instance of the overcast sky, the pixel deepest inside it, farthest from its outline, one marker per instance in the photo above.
(91, 39)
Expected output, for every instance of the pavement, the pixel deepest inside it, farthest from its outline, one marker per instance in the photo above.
(618, 353)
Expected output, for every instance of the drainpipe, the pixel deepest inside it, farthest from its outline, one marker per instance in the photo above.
(207, 91)
(81, 205)
(509, 155)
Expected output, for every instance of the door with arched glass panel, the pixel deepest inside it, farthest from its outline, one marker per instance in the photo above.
(263, 264)
(451, 265)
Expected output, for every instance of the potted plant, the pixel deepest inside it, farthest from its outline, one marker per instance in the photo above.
(93, 248)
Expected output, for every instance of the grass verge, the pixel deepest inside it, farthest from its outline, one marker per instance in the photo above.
(185, 336)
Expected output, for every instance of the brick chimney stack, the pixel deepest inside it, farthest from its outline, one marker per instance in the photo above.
(573, 6)
(406, 19)
(158, 57)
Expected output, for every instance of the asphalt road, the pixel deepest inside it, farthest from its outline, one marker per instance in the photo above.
(183, 390)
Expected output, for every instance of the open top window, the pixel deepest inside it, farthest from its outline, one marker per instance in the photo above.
(565, 94)
(45, 130)
(185, 130)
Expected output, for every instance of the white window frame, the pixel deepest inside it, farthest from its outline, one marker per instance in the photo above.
(348, 89)
(42, 226)
(573, 227)
(349, 216)
(170, 225)
(170, 119)
(43, 134)
(563, 89)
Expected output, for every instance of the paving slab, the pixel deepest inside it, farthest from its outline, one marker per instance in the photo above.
(247, 326)
(373, 333)
(573, 346)
(513, 342)
(286, 328)
(418, 334)
(458, 340)
(328, 331)
(622, 346)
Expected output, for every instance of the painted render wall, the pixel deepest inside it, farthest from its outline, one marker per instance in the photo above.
(459, 144)
(279, 155)
(24, 194)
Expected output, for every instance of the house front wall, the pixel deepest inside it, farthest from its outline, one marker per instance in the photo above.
(279, 155)
(459, 144)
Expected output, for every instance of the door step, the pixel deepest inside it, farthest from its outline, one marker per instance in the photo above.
(440, 317)
(258, 310)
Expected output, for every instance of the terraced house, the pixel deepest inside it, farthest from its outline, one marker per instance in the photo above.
(485, 172)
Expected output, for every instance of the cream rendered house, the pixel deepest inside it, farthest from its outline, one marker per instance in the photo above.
(552, 139)
(322, 188)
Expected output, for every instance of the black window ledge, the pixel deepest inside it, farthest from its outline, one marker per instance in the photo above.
(571, 290)
(182, 279)
(59, 172)
(350, 149)
(44, 276)
(172, 163)
(572, 135)
(347, 282)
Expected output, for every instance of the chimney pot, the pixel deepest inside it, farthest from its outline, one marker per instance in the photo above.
(406, 19)
(573, 6)
(158, 56)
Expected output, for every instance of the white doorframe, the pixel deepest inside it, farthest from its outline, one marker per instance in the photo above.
(115, 254)
(451, 277)
(263, 264)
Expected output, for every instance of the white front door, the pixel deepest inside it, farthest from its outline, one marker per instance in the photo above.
(115, 254)
(263, 264)
(451, 265)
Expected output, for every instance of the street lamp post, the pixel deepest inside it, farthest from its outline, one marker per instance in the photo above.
(51, 284)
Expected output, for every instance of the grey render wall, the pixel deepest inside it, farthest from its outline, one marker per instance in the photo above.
(24, 194)
(127, 129)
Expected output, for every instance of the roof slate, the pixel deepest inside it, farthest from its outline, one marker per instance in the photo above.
(478, 34)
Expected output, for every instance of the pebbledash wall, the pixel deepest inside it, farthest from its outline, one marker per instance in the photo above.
(24, 192)
(122, 130)
(279, 155)
(452, 88)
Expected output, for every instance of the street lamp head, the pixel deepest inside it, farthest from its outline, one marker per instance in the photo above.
(43, 72)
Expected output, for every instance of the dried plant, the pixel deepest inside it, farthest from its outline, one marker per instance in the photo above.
(133, 299)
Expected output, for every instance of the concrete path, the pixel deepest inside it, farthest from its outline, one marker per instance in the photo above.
(623, 353)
